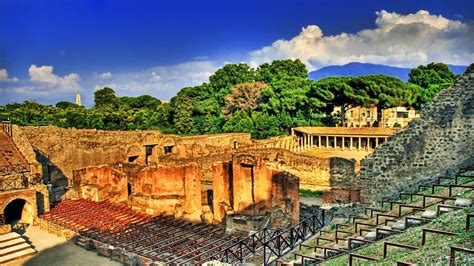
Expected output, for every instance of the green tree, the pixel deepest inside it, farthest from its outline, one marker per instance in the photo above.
(431, 74)
(383, 91)
(65, 105)
(183, 115)
(280, 69)
(106, 97)
(144, 101)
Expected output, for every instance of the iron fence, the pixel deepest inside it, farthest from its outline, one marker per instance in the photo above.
(273, 243)
(15, 177)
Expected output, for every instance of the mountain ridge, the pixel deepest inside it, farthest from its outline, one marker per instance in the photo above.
(360, 69)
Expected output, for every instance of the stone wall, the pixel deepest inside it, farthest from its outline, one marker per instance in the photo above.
(441, 141)
(314, 173)
(35, 202)
(62, 150)
(197, 191)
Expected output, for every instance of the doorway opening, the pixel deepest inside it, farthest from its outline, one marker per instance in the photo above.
(210, 199)
(129, 189)
(13, 211)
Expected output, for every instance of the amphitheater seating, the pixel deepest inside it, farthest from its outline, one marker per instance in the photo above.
(116, 231)
(392, 217)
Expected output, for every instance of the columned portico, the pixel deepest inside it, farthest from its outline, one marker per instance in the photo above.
(349, 138)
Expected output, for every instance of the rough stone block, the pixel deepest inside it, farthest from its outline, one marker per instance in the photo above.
(429, 214)
(463, 202)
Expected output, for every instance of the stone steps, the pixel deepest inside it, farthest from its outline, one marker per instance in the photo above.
(9, 236)
(14, 247)
(12, 242)
(17, 255)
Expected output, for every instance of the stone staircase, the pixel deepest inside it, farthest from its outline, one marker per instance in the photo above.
(14, 247)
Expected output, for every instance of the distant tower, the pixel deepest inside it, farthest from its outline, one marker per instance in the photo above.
(78, 98)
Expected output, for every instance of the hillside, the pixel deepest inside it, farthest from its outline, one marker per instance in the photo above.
(360, 69)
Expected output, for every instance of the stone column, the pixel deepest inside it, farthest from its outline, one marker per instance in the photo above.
(376, 142)
(319, 141)
(368, 143)
(335, 142)
(311, 141)
(359, 144)
(350, 144)
(343, 143)
(327, 142)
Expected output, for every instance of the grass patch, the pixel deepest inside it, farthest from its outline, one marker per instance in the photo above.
(436, 249)
(309, 193)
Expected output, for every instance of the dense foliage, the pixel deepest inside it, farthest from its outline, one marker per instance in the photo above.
(265, 101)
(432, 78)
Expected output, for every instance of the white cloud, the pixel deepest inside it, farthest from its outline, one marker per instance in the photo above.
(105, 75)
(4, 76)
(44, 74)
(160, 81)
(155, 76)
(400, 40)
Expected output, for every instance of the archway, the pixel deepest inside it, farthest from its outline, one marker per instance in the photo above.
(14, 211)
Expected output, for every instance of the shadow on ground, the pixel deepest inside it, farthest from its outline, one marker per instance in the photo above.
(67, 254)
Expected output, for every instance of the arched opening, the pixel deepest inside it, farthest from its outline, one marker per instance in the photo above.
(13, 211)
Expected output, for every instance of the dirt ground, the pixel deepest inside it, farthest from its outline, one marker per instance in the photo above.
(318, 201)
(357, 155)
(56, 251)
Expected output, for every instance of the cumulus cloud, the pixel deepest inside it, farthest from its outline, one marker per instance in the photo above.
(4, 76)
(44, 74)
(399, 40)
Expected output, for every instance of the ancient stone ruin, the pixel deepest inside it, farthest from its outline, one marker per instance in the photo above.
(143, 197)
(440, 142)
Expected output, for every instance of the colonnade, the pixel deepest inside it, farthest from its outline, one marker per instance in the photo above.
(341, 142)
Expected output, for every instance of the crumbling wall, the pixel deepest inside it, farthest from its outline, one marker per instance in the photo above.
(101, 183)
(62, 150)
(314, 173)
(438, 143)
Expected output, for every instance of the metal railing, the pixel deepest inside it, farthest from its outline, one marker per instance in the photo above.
(14, 169)
(18, 177)
(273, 243)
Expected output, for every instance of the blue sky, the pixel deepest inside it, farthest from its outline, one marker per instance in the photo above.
(50, 49)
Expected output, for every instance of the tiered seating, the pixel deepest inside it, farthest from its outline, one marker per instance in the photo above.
(393, 217)
(121, 230)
